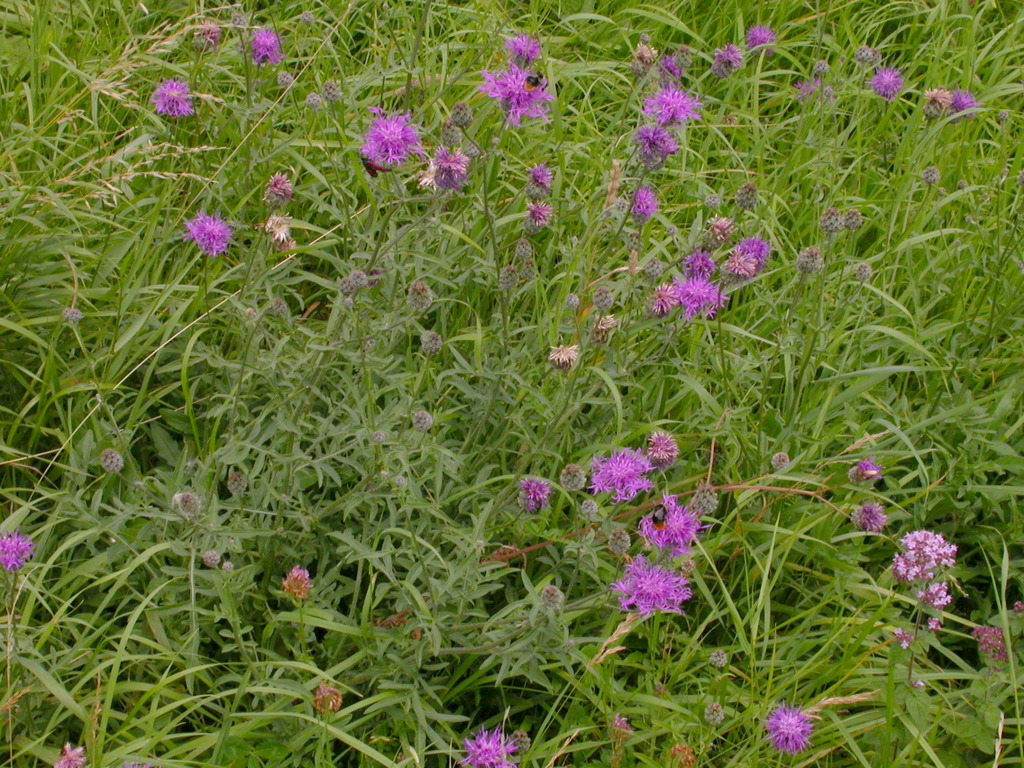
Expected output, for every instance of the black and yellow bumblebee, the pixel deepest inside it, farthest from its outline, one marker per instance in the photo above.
(659, 518)
(533, 82)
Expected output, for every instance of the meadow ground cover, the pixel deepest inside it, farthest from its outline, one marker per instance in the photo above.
(572, 383)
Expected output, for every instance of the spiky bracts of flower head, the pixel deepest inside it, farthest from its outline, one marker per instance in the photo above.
(623, 474)
(648, 589)
(391, 140)
(662, 449)
(789, 729)
(510, 88)
(488, 749)
(533, 494)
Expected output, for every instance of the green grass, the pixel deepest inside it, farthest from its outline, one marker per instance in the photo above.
(119, 639)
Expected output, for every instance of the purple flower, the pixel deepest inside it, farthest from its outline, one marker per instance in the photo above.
(15, 550)
(699, 264)
(450, 169)
(961, 101)
(924, 553)
(488, 749)
(647, 589)
(211, 234)
(935, 595)
(541, 177)
(510, 88)
(789, 729)
(934, 624)
(904, 638)
(654, 144)
(391, 140)
(864, 472)
(662, 301)
(622, 474)
(662, 449)
(670, 66)
(698, 296)
(538, 215)
(991, 643)
(680, 530)
(71, 757)
(887, 83)
(869, 517)
(523, 49)
(672, 106)
(533, 494)
(727, 60)
(748, 258)
(760, 36)
(266, 47)
(805, 89)
(645, 204)
(173, 98)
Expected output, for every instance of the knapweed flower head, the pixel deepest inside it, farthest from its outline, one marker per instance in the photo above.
(207, 37)
(991, 643)
(864, 472)
(961, 101)
(510, 87)
(16, 549)
(173, 99)
(699, 264)
(806, 89)
(672, 106)
(538, 216)
(391, 140)
(719, 231)
(789, 729)
(654, 145)
(645, 204)
(727, 60)
(552, 598)
(450, 169)
(533, 494)
(761, 37)
(747, 259)
(679, 530)
(623, 474)
(869, 517)
(648, 589)
(297, 583)
(111, 461)
(867, 57)
(327, 699)
(937, 103)
(523, 49)
(279, 191)
(488, 749)
(697, 296)
(564, 357)
(662, 301)
(71, 757)
(540, 180)
(924, 555)
(662, 449)
(211, 234)
(887, 83)
(266, 47)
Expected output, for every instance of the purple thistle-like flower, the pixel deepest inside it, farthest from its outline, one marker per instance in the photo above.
(450, 169)
(523, 49)
(654, 144)
(869, 517)
(748, 258)
(541, 177)
(789, 729)
(510, 88)
(71, 757)
(533, 494)
(488, 749)
(266, 47)
(173, 98)
(538, 215)
(991, 643)
(758, 37)
(727, 60)
(15, 550)
(672, 106)
(279, 191)
(806, 89)
(924, 553)
(211, 234)
(670, 66)
(622, 474)
(391, 140)
(699, 264)
(662, 449)
(963, 100)
(887, 83)
(647, 589)
(662, 301)
(682, 526)
(864, 472)
(645, 204)
(698, 296)
(935, 595)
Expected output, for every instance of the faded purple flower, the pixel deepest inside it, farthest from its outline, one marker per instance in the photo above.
(869, 517)
(991, 643)
(669, 65)
(662, 301)
(510, 88)
(748, 258)
(672, 106)
(645, 204)
(864, 472)
(523, 49)
(727, 60)
(789, 729)
(211, 234)
(698, 296)
(622, 474)
(533, 494)
(541, 178)
(207, 37)
(679, 531)
(887, 83)
(904, 638)
(935, 595)
(488, 749)
(699, 264)
(173, 98)
(266, 47)
(279, 191)
(662, 449)
(805, 89)
(934, 624)
(15, 550)
(647, 589)
(391, 140)
(924, 553)
(758, 37)
(963, 100)
(538, 215)
(71, 757)
(654, 144)
(450, 169)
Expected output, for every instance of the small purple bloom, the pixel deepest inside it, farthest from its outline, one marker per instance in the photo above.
(533, 494)
(648, 589)
(698, 296)
(680, 531)
(727, 60)
(904, 638)
(806, 89)
(450, 169)
(173, 98)
(963, 100)
(391, 140)
(991, 643)
(662, 301)
(538, 215)
(523, 49)
(266, 47)
(672, 106)
(699, 264)
(211, 234)
(654, 144)
(645, 204)
(758, 37)
(15, 550)
(789, 729)
(622, 474)
(488, 749)
(662, 450)
(864, 472)
(887, 83)
(71, 757)
(510, 88)
(935, 595)
(924, 553)
(748, 258)
(670, 66)
(541, 177)
(869, 517)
